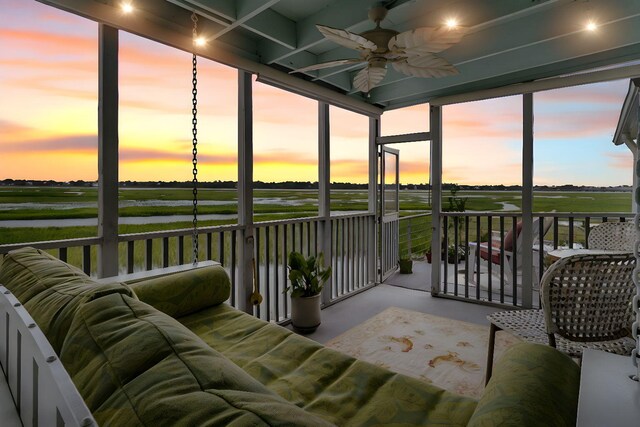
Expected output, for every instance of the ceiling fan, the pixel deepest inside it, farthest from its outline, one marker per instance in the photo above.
(411, 52)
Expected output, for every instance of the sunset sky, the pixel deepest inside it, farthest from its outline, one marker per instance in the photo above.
(48, 119)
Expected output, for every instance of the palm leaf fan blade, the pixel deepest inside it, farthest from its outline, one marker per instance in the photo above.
(346, 38)
(423, 66)
(368, 78)
(426, 40)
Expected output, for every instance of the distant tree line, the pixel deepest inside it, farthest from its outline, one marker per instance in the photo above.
(302, 185)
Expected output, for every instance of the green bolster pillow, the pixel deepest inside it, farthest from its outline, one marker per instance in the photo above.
(532, 385)
(185, 292)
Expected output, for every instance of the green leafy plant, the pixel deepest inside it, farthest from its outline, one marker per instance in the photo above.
(307, 275)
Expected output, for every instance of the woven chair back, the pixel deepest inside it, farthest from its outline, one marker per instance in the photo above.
(613, 236)
(586, 297)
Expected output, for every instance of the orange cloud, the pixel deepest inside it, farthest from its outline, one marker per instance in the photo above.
(41, 42)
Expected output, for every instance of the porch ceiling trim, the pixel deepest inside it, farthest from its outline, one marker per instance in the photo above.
(629, 71)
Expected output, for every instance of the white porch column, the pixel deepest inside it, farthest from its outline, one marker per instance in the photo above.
(527, 199)
(245, 191)
(435, 127)
(374, 132)
(107, 150)
(324, 193)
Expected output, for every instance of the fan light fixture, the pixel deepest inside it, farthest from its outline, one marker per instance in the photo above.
(126, 7)
(411, 53)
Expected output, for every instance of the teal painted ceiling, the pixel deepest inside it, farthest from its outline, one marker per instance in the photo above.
(508, 41)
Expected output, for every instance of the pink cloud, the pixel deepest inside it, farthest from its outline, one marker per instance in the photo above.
(620, 160)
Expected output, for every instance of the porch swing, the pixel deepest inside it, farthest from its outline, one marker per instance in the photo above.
(255, 298)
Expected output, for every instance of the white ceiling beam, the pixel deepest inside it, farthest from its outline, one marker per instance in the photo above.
(339, 14)
(245, 10)
(577, 50)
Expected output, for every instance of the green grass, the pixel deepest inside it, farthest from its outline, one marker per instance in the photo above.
(344, 200)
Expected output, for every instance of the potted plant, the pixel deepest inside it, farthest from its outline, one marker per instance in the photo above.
(307, 276)
(406, 265)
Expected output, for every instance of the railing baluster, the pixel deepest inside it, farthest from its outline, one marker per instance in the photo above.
(556, 230)
(308, 238)
(446, 253)
(62, 254)
(233, 267)
(478, 257)
(571, 232)
(456, 243)
(149, 254)
(221, 247)
(276, 296)
(165, 252)
(180, 250)
(514, 258)
(86, 259)
(502, 259)
(256, 257)
(351, 249)
(490, 260)
(130, 256)
(466, 261)
(587, 230)
(342, 263)
(267, 272)
(209, 246)
(285, 254)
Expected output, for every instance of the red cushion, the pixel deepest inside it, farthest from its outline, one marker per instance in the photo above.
(508, 239)
(495, 252)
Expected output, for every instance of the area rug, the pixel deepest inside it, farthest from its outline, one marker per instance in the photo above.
(447, 353)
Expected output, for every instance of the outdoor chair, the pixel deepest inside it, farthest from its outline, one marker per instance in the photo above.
(489, 253)
(613, 236)
(585, 304)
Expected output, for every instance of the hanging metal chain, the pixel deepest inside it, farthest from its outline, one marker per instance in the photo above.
(194, 122)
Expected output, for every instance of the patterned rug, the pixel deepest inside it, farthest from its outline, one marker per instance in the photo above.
(447, 353)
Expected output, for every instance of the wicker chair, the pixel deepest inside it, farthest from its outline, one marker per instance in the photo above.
(585, 304)
(613, 236)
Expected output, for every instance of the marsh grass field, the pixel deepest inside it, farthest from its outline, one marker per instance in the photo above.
(30, 214)
(56, 203)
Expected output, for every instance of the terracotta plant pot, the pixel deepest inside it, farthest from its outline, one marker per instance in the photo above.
(305, 314)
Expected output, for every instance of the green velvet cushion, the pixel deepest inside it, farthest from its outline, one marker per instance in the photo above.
(27, 271)
(134, 365)
(185, 292)
(532, 385)
(332, 385)
(51, 290)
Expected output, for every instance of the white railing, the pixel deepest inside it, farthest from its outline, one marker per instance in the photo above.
(42, 390)
(465, 278)
(351, 262)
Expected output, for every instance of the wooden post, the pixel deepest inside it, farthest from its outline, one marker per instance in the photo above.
(374, 132)
(324, 193)
(435, 128)
(107, 150)
(245, 191)
(527, 199)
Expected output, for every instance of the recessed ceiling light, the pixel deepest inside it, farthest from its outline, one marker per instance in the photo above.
(591, 26)
(126, 7)
(200, 41)
(451, 23)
